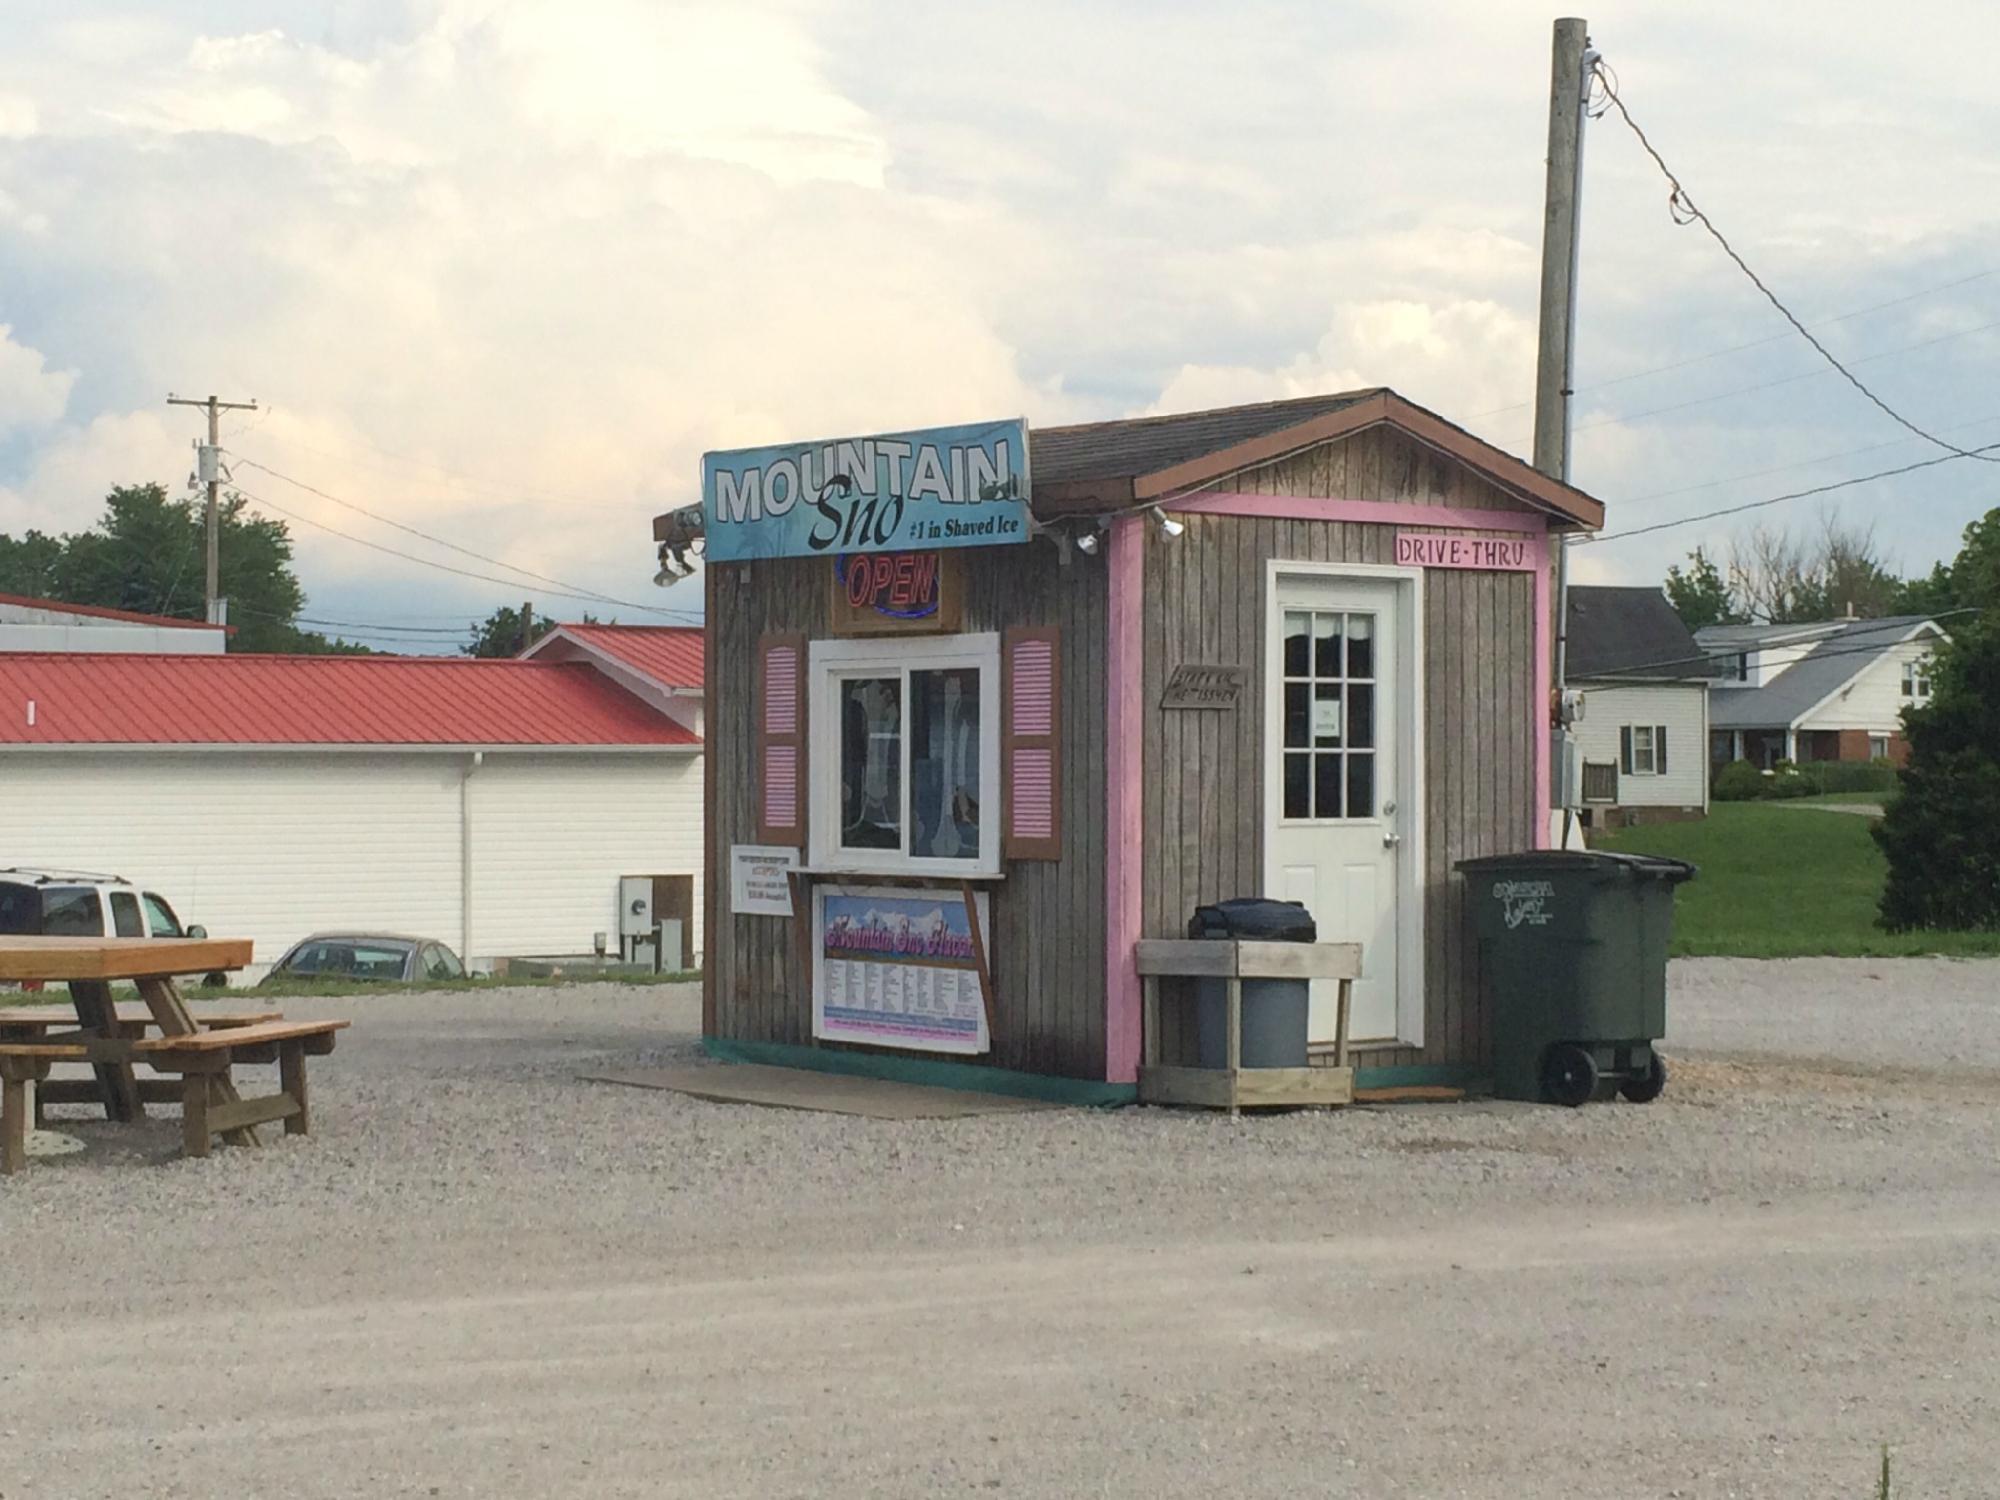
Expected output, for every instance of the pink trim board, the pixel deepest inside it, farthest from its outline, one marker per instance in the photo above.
(1124, 824)
(1379, 512)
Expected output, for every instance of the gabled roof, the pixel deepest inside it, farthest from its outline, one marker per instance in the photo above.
(98, 612)
(1846, 649)
(1107, 466)
(1631, 633)
(79, 698)
(670, 656)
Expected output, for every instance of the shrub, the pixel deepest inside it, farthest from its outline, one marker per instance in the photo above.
(1787, 780)
(1852, 775)
(1739, 781)
(1942, 835)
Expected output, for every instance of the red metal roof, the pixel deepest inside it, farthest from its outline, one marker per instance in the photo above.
(669, 654)
(92, 698)
(97, 612)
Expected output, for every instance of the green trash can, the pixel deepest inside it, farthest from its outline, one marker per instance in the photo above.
(1573, 943)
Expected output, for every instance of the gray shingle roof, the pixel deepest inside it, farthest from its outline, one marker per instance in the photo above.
(1630, 632)
(1145, 445)
(1846, 649)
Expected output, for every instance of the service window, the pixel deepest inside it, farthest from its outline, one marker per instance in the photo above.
(72, 911)
(160, 917)
(125, 918)
(905, 737)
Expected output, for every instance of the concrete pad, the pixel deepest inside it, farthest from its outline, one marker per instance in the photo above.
(828, 1093)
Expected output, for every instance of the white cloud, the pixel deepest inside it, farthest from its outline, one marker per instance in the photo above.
(31, 394)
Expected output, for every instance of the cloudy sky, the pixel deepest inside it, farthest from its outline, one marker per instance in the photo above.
(503, 269)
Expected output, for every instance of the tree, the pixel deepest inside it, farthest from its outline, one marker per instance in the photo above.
(1699, 595)
(1942, 835)
(1785, 579)
(1969, 581)
(146, 554)
(499, 634)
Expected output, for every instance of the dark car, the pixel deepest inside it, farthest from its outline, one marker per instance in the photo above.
(380, 956)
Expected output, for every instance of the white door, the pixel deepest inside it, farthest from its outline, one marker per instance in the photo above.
(1332, 755)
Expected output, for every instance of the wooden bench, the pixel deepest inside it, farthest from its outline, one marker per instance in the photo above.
(58, 1023)
(203, 1059)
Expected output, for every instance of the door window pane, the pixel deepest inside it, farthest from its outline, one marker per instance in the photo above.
(1361, 716)
(1298, 715)
(871, 763)
(1326, 645)
(1298, 626)
(1360, 645)
(1326, 714)
(1326, 786)
(125, 918)
(1298, 786)
(1361, 785)
(944, 764)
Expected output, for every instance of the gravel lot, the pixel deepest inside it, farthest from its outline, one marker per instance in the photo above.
(482, 1277)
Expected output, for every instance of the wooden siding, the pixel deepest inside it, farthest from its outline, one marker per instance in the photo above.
(1204, 788)
(1047, 916)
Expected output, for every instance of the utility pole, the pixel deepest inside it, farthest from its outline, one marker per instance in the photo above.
(208, 467)
(1555, 364)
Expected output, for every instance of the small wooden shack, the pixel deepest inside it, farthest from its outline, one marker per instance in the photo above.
(1003, 714)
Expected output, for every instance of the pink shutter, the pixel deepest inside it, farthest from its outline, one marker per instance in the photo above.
(781, 740)
(1031, 743)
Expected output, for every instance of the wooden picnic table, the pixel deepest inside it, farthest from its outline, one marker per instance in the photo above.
(90, 965)
(111, 1038)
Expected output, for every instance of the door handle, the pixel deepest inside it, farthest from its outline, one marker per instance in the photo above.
(1391, 840)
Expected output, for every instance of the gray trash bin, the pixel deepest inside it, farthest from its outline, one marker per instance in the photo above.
(1274, 1010)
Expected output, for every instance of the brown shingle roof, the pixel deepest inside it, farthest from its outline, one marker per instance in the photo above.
(1145, 445)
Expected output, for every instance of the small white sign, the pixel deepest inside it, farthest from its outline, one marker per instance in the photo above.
(1326, 718)
(760, 880)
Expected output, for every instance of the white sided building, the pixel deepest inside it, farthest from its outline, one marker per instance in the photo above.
(1643, 738)
(493, 805)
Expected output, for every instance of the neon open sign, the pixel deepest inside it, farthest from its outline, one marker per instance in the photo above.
(901, 585)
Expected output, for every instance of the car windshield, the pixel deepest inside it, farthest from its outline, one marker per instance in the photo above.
(350, 958)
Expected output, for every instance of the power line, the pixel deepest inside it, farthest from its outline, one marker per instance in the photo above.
(437, 541)
(1683, 210)
(1696, 359)
(1819, 489)
(1765, 385)
(510, 583)
(1709, 484)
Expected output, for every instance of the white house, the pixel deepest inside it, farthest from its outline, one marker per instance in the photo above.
(51, 625)
(1644, 732)
(1825, 690)
(494, 805)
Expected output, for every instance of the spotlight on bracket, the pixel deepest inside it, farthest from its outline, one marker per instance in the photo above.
(1090, 537)
(682, 539)
(1169, 527)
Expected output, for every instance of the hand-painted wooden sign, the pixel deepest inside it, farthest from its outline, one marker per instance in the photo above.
(1425, 549)
(897, 593)
(1193, 685)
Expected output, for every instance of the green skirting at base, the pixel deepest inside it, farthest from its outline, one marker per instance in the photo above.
(939, 1074)
(929, 1071)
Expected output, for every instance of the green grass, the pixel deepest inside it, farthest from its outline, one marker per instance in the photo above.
(1784, 882)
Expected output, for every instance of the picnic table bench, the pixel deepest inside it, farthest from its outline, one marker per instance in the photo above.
(56, 1023)
(112, 1038)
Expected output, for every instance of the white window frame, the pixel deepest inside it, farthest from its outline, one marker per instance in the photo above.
(1917, 678)
(1878, 739)
(830, 662)
(1652, 765)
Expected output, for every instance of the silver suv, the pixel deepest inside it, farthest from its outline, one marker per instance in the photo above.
(71, 903)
